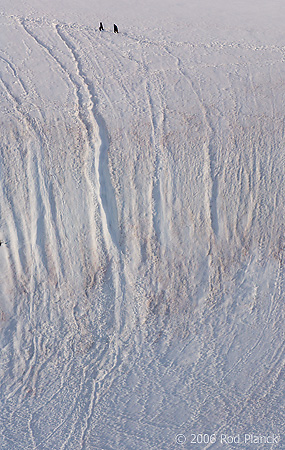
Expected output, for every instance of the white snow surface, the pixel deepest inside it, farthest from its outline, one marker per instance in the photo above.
(142, 224)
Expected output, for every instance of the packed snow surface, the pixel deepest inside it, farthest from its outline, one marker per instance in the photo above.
(141, 225)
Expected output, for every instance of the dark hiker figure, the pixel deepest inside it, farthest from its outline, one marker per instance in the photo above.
(101, 28)
(116, 28)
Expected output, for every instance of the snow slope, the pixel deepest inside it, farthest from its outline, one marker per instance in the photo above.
(141, 209)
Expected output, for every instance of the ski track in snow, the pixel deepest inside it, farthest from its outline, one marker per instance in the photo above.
(141, 201)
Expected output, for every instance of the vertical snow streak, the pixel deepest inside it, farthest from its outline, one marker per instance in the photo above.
(98, 139)
(99, 177)
(157, 194)
(77, 90)
(97, 174)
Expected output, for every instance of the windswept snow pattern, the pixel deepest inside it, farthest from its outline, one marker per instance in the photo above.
(142, 220)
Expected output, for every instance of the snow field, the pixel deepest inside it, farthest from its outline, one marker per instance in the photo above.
(141, 198)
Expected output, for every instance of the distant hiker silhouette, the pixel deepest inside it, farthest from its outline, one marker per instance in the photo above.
(101, 28)
(116, 28)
